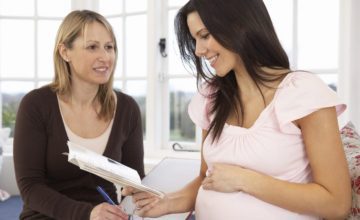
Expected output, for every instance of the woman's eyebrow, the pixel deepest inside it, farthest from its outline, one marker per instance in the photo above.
(199, 31)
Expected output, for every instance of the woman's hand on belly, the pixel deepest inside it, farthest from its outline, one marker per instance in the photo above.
(225, 178)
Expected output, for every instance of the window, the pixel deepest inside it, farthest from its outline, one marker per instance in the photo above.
(129, 20)
(310, 37)
(180, 86)
(159, 84)
(26, 34)
(308, 30)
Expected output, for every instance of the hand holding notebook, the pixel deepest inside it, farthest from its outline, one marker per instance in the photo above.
(106, 168)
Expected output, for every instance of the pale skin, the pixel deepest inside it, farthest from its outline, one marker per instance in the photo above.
(328, 196)
(91, 62)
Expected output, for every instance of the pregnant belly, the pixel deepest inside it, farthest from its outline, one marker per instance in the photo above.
(211, 205)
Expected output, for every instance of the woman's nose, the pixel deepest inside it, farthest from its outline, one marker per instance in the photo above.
(200, 50)
(103, 55)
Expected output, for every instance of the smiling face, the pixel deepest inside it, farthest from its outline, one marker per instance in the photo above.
(92, 55)
(219, 58)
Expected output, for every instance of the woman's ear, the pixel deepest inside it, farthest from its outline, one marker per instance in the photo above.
(63, 51)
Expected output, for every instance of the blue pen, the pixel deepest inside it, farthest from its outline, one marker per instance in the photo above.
(105, 195)
(107, 198)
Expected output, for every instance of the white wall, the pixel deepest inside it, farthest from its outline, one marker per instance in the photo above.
(7, 173)
(349, 74)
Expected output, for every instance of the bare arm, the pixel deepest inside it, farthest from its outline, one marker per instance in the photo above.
(176, 202)
(328, 196)
(184, 200)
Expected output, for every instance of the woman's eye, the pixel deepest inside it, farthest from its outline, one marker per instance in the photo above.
(91, 47)
(205, 36)
(109, 47)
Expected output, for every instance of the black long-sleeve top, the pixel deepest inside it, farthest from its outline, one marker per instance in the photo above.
(50, 186)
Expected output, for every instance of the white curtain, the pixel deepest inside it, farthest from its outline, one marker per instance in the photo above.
(349, 72)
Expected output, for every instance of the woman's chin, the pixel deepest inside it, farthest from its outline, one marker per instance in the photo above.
(220, 74)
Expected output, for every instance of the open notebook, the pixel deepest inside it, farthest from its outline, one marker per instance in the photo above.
(106, 168)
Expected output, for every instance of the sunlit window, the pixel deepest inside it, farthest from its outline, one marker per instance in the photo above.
(45, 42)
(27, 37)
(129, 21)
(182, 87)
(17, 49)
(11, 95)
(309, 32)
(161, 85)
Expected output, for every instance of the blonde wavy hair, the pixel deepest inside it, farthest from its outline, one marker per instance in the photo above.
(73, 26)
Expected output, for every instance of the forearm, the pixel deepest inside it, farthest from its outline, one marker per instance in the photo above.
(184, 200)
(311, 198)
(39, 197)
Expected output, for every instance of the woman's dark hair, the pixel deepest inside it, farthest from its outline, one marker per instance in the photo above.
(243, 27)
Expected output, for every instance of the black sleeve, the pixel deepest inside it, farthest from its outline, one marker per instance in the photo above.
(30, 152)
(133, 149)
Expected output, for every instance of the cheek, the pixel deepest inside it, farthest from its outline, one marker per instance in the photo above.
(225, 65)
(229, 60)
(111, 57)
(80, 65)
(213, 43)
(112, 63)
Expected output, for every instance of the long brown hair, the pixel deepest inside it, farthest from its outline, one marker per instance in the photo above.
(74, 25)
(243, 27)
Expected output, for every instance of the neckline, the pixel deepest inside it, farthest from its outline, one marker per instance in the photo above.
(257, 121)
(116, 112)
(264, 111)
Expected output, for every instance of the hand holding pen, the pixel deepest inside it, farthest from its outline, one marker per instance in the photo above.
(105, 195)
(108, 210)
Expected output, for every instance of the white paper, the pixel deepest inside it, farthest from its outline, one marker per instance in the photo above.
(106, 168)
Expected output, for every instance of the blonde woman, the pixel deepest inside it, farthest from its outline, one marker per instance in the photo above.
(80, 105)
